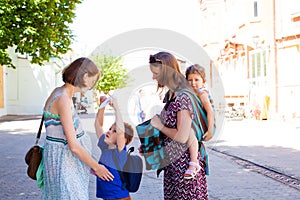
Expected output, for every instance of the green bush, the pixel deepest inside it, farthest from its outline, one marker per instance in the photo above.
(113, 74)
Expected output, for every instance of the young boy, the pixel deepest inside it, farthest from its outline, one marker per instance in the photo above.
(195, 74)
(112, 144)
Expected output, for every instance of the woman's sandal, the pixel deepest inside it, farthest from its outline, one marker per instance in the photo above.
(191, 173)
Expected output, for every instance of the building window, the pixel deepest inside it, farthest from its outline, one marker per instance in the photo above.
(255, 9)
(258, 65)
(293, 10)
(255, 12)
(265, 63)
(253, 64)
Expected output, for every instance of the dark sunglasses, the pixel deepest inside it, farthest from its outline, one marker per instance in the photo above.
(152, 59)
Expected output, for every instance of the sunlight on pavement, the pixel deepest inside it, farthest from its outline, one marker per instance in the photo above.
(260, 133)
(20, 127)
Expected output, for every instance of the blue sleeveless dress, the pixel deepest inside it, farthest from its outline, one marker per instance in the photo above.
(65, 175)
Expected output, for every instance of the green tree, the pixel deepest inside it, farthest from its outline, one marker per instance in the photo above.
(113, 74)
(37, 28)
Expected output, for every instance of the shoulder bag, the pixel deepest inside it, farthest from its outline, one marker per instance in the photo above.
(34, 156)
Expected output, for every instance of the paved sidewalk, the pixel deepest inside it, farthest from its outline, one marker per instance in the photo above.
(269, 143)
(230, 181)
(274, 144)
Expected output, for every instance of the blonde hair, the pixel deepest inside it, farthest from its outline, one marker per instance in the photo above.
(128, 132)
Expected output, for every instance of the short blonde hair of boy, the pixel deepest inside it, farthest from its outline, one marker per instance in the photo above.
(128, 133)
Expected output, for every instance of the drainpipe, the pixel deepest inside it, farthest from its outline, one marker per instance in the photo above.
(275, 56)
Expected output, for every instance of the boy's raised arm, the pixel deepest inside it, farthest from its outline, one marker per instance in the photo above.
(100, 119)
(119, 126)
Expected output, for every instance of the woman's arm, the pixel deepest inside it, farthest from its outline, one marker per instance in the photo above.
(184, 124)
(203, 96)
(65, 114)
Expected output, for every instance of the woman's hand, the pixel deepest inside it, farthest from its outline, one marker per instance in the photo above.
(103, 173)
(207, 136)
(156, 123)
(141, 151)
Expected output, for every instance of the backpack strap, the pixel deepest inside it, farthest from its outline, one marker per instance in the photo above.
(199, 123)
(131, 149)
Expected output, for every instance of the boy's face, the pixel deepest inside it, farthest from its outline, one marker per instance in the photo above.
(111, 135)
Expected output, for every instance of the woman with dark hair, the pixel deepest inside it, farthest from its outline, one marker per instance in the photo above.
(175, 122)
(67, 150)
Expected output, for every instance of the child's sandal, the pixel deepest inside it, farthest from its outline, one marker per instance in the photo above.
(191, 173)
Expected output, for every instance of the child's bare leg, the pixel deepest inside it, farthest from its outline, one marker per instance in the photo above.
(193, 164)
(193, 148)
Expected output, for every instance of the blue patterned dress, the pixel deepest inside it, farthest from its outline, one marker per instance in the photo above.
(177, 154)
(65, 175)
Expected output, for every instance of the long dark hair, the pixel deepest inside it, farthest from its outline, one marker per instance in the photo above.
(171, 73)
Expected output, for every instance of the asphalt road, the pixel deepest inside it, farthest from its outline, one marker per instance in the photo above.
(228, 179)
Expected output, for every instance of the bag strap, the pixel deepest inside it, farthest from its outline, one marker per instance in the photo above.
(52, 101)
(116, 163)
(197, 107)
(198, 110)
(38, 135)
(130, 150)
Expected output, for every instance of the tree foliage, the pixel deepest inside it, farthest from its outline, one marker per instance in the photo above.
(113, 74)
(37, 28)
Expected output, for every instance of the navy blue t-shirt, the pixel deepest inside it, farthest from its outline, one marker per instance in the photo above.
(111, 189)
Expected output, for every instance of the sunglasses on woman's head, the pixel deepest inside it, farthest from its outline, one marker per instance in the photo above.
(152, 59)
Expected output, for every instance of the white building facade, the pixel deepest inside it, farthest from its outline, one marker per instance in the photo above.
(25, 89)
(256, 46)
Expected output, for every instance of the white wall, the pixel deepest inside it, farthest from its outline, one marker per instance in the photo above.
(28, 86)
